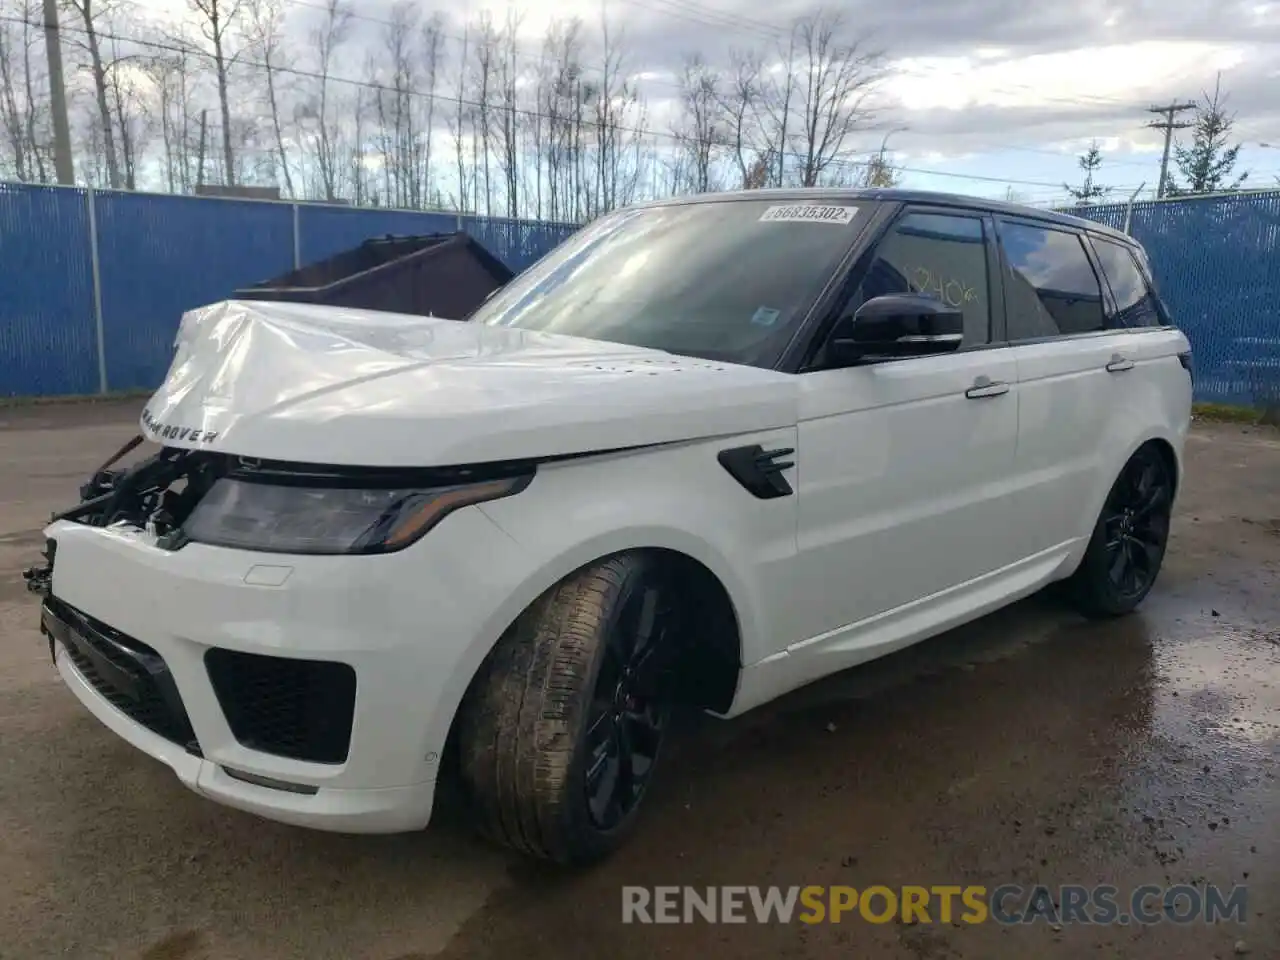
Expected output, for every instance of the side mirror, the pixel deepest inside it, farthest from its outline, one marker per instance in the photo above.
(898, 325)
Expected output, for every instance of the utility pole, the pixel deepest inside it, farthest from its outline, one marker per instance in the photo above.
(58, 96)
(204, 118)
(1168, 125)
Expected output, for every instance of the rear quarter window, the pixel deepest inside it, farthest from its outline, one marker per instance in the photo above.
(1136, 303)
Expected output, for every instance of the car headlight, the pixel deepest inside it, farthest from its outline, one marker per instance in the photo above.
(289, 518)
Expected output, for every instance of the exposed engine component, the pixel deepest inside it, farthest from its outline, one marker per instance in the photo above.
(155, 494)
(40, 578)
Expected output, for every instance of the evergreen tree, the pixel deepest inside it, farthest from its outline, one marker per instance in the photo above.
(880, 171)
(1206, 165)
(1089, 192)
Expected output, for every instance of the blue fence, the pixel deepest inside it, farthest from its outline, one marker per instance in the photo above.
(158, 256)
(1217, 263)
(1216, 259)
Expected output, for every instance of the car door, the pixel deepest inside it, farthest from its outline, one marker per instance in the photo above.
(904, 463)
(1069, 371)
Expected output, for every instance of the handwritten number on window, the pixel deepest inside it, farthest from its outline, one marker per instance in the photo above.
(949, 290)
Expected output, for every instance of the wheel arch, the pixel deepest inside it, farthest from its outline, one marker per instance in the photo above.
(1168, 449)
(725, 631)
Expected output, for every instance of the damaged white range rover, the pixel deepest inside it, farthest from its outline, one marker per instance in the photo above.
(705, 452)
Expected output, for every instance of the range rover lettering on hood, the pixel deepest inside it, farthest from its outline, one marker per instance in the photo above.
(173, 431)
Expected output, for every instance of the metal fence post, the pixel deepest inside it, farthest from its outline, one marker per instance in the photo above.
(297, 241)
(1128, 210)
(99, 333)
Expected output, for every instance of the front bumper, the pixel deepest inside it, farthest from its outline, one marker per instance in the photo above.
(327, 715)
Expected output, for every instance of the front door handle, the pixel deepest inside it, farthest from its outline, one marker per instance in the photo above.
(984, 386)
(1119, 364)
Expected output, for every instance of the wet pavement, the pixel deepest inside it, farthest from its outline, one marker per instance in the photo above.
(1031, 747)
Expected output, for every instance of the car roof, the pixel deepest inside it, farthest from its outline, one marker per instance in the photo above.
(896, 195)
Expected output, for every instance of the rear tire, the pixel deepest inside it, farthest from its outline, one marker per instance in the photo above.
(560, 731)
(1128, 544)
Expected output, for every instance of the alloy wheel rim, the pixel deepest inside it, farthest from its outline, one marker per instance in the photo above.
(1136, 524)
(628, 714)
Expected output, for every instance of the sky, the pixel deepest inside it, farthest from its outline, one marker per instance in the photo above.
(983, 95)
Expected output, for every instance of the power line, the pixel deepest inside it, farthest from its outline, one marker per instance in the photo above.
(460, 101)
(733, 21)
(1112, 161)
(696, 13)
(1168, 125)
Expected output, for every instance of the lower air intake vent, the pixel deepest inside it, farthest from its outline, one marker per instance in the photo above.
(301, 709)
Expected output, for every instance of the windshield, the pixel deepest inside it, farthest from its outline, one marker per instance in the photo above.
(722, 280)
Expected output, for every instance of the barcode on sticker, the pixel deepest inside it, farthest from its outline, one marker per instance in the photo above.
(808, 213)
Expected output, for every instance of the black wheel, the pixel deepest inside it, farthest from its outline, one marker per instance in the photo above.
(561, 730)
(1124, 555)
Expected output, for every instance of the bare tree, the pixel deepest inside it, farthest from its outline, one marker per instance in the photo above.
(327, 39)
(458, 127)
(563, 47)
(266, 36)
(544, 74)
(486, 53)
(433, 61)
(25, 94)
(360, 191)
(507, 77)
(20, 95)
(778, 99)
(131, 118)
(617, 103)
(172, 92)
(758, 176)
(393, 96)
(742, 104)
(699, 133)
(87, 12)
(836, 80)
(219, 25)
(564, 139)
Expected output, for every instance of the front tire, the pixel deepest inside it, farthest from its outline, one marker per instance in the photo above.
(1128, 544)
(560, 731)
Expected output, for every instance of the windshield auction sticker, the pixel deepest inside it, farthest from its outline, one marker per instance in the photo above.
(808, 213)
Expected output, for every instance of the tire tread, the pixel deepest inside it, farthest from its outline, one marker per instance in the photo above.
(519, 722)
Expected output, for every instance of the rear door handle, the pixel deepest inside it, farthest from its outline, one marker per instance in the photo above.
(984, 386)
(1119, 364)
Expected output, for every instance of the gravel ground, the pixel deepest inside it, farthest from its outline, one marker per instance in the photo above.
(1030, 747)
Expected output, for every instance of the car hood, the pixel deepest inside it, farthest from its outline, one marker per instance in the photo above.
(301, 382)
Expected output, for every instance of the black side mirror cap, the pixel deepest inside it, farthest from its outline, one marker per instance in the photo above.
(898, 325)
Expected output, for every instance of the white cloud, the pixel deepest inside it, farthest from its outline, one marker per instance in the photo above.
(1121, 73)
(976, 84)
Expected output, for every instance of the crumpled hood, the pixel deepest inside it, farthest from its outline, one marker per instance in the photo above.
(315, 384)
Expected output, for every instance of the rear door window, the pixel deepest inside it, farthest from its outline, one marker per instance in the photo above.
(1136, 305)
(1053, 289)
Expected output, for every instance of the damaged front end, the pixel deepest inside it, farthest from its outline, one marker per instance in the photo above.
(156, 494)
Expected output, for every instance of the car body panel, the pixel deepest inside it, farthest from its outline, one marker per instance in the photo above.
(300, 382)
(896, 460)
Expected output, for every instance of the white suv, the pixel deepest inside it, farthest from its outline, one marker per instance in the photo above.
(705, 452)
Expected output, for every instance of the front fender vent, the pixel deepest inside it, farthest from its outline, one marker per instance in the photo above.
(760, 471)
